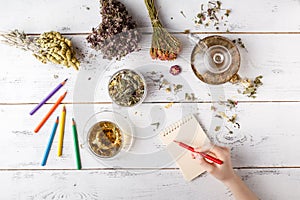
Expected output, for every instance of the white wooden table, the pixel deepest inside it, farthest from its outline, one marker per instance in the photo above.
(265, 151)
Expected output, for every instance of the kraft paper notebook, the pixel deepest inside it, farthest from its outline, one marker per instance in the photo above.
(189, 131)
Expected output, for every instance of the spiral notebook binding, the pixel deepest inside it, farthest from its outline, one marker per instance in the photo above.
(176, 125)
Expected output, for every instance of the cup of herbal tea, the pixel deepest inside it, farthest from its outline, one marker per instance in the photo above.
(108, 134)
(127, 88)
(105, 139)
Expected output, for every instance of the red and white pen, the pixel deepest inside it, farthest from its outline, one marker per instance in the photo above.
(205, 155)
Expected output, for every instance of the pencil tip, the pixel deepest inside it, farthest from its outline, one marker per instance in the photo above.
(57, 119)
(64, 81)
(64, 108)
(175, 141)
(73, 121)
(65, 93)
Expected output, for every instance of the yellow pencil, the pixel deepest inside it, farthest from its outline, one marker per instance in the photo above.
(61, 131)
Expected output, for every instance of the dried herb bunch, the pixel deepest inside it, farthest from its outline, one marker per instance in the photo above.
(48, 47)
(164, 45)
(116, 36)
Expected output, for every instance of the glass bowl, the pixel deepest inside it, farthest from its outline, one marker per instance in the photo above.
(108, 134)
(127, 88)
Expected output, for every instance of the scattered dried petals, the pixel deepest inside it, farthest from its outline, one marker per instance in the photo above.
(169, 105)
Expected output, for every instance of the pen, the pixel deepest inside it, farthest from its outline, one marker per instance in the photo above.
(205, 155)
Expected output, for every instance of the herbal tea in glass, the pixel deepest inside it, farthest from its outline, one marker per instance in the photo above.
(105, 139)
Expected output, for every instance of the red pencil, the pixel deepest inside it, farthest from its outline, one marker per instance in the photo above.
(209, 157)
(50, 112)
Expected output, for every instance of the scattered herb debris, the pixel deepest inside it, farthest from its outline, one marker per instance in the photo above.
(217, 128)
(177, 88)
(156, 125)
(229, 131)
(190, 97)
(181, 12)
(231, 119)
(239, 42)
(213, 108)
(231, 103)
(212, 14)
(169, 105)
(250, 86)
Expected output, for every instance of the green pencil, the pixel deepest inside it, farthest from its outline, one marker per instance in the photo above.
(76, 145)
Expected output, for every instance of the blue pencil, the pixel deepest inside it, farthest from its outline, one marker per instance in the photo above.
(50, 143)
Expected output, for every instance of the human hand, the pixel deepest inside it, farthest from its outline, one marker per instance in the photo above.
(222, 172)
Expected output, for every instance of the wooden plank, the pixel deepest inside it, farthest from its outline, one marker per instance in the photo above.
(137, 184)
(82, 15)
(268, 136)
(273, 56)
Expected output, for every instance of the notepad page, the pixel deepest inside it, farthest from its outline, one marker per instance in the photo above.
(189, 131)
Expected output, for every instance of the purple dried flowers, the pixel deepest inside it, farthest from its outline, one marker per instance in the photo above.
(117, 35)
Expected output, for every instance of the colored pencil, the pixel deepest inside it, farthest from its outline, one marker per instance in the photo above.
(48, 97)
(61, 131)
(50, 112)
(50, 143)
(205, 155)
(76, 145)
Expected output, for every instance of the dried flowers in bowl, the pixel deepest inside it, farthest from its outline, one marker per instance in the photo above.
(117, 35)
(127, 88)
(48, 47)
(164, 45)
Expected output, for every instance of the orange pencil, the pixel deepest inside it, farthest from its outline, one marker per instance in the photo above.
(50, 112)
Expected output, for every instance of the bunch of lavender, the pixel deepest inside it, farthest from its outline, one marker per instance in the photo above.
(116, 36)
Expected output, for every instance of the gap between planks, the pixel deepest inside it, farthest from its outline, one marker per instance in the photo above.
(203, 32)
(157, 102)
(145, 169)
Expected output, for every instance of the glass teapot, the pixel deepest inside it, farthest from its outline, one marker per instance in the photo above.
(214, 59)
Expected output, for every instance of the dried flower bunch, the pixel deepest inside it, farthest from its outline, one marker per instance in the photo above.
(48, 47)
(212, 14)
(164, 45)
(117, 35)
